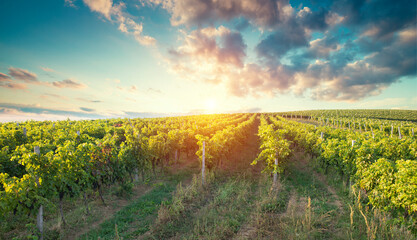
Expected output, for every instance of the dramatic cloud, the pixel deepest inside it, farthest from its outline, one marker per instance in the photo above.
(116, 13)
(68, 83)
(208, 54)
(277, 44)
(217, 55)
(212, 44)
(256, 80)
(322, 47)
(379, 19)
(24, 75)
(317, 20)
(265, 13)
(346, 51)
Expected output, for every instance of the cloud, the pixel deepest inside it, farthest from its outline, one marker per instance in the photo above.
(325, 68)
(152, 90)
(323, 47)
(12, 85)
(48, 95)
(196, 112)
(212, 44)
(89, 100)
(70, 3)
(253, 110)
(47, 69)
(68, 83)
(383, 103)
(207, 53)
(217, 56)
(101, 6)
(247, 110)
(149, 114)
(280, 42)
(381, 19)
(117, 13)
(4, 77)
(356, 81)
(241, 25)
(131, 89)
(11, 114)
(22, 112)
(265, 13)
(31, 78)
(317, 20)
(255, 80)
(339, 51)
(24, 75)
(400, 55)
(84, 109)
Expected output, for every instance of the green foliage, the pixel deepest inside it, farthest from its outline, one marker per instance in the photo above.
(364, 150)
(274, 145)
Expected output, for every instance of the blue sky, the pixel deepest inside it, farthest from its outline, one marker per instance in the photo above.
(104, 58)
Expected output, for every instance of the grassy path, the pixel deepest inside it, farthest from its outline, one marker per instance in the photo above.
(101, 214)
(136, 217)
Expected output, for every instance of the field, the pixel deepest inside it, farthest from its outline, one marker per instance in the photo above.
(322, 174)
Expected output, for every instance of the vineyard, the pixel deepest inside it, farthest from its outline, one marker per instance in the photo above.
(322, 174)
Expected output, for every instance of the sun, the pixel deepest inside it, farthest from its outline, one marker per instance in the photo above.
(210, 105)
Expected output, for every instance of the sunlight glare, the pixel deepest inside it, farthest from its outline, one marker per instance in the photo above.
(211, 105)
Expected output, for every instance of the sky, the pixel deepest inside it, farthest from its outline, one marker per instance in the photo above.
(82, 59)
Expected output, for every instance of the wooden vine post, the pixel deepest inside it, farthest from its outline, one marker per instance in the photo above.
(39, 218)
(136, 169)
(136, 175)
(203, 164)
(399, 132)
(275, 172)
